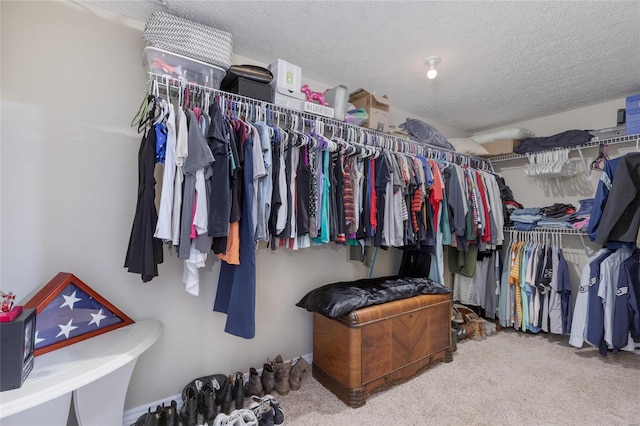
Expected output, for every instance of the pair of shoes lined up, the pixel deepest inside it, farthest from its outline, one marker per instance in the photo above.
(267, 410)
(162, 416)
(205, 397)
(276, 375)
(474, 326)
(240, 417)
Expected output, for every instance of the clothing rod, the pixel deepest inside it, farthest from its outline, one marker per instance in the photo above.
(543, 231)
(512, 230)
(383, 138)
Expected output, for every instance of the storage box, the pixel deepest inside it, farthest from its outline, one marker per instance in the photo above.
(250, 88)
(188, 38)
(633, 124)
(500, 147)
(164, 62)
(376, 106)
(337, 99)
(633, 104)
(633, 114)
(288, 98)
(286, 75)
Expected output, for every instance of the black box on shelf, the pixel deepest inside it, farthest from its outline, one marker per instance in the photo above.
(17, 349)
(250, 88)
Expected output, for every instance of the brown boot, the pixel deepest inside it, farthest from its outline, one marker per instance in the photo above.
(298, 369)
(483, 331)
(254, 385)
(475, 327)
(268, 378)
(281, 370)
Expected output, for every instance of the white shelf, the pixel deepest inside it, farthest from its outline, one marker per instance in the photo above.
(60, 372)
(593, 143)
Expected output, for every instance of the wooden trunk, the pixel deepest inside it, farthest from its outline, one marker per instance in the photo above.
(376, 347)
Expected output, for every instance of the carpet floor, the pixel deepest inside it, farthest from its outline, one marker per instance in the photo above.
(510, 378)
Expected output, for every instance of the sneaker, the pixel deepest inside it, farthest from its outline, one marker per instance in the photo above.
(263, 411)
(223, 419)
(246, 417)
(278, 412)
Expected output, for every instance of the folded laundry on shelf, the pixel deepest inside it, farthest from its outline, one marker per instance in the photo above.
(529, 215)
(558, 210)
(554, 224)
(564, 139)
(522, 226)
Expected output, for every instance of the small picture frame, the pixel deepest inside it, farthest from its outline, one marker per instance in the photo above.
(69, 311)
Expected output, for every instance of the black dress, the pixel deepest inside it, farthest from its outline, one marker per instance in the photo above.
(145, 251)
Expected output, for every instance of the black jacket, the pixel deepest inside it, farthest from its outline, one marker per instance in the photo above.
(621, 216)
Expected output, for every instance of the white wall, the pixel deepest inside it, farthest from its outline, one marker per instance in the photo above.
(598, 116)
(71, 81)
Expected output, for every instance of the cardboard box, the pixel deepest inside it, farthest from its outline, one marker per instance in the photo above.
(376, 106)
(288, 98)
(500, 147)
(286, 75)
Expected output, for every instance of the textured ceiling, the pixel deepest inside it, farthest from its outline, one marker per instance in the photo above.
(502, 62)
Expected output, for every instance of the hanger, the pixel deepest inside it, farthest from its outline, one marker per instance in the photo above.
(144, 105)
(598, 162)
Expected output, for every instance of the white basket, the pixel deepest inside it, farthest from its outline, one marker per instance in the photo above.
(189, 39)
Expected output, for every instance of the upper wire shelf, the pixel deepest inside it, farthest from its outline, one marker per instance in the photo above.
(399, 142)
(593, 143)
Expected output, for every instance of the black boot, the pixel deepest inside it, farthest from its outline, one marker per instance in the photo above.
(148, 419)
(170, 415)
(207, 403)
(189, 410)
(238, 389)
(219, 383)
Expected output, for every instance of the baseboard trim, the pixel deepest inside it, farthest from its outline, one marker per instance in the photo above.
(130, 416)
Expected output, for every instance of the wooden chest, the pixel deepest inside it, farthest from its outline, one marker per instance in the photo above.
(376, 347)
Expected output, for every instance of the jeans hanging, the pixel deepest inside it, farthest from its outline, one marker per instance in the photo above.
(236, 294)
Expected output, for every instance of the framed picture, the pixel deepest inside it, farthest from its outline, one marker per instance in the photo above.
(69, 311)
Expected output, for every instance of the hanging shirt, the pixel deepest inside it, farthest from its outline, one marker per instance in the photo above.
(182, 150)
(260, 179)
(581, 308)
(626, 320)
(200, 156)
(620, 219)
(165, 211)
(602, 195)
(609, 274)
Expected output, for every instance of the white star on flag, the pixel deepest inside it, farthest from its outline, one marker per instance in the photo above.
(66, 329)
(97, 318)
(38, 339)
(70, 300)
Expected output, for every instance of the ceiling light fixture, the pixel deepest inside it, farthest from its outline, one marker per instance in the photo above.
(431, 62)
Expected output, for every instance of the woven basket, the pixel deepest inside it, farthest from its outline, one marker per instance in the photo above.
(189, 39)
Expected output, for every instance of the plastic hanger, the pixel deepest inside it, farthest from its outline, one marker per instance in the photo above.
(598, 162)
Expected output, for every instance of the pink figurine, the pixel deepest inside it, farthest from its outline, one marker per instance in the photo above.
(7, 301)
(314, 96)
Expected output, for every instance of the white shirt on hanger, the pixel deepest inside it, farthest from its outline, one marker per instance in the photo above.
(165, 211)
